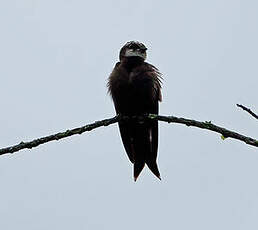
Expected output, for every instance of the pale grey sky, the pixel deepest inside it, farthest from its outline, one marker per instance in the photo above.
(55, 60)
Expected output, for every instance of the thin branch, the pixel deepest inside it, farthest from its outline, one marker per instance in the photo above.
(170, 119)
(248, 110)
(208, 125)
(58, 136)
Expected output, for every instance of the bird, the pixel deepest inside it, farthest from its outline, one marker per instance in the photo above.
(135, 88)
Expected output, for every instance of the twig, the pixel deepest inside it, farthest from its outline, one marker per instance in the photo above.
(248, 110)
(170, 119)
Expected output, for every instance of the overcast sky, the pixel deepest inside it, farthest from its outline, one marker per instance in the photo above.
(55, 59)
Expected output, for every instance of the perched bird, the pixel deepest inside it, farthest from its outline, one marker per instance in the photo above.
(135, 87)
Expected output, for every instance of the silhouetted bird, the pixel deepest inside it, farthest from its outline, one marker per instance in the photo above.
(135, 87)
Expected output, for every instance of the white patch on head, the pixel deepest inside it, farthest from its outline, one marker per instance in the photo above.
(135, 53)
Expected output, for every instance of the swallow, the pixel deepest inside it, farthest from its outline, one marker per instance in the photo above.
(135, 87)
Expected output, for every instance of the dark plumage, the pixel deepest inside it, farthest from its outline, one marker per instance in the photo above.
(135, 87)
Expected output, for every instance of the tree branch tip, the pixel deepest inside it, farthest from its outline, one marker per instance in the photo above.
(248, 110)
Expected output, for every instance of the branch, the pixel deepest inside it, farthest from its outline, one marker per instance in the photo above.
(248, 110)
(170, 119)
(58, 136)
(208, 125)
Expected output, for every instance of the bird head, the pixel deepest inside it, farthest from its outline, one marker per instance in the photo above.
(133, 49)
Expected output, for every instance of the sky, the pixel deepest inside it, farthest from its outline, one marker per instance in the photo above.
(55, 59)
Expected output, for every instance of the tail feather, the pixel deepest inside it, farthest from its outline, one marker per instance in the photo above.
(152, 165)
(145, 139)
(138, 167)
(140, 146)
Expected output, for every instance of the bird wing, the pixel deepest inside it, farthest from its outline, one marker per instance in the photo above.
(145, 136)
(126, 132)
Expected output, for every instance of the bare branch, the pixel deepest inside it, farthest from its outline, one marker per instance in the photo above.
(58, 136)
(208, 125)
(248, 110)
(170, 119)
